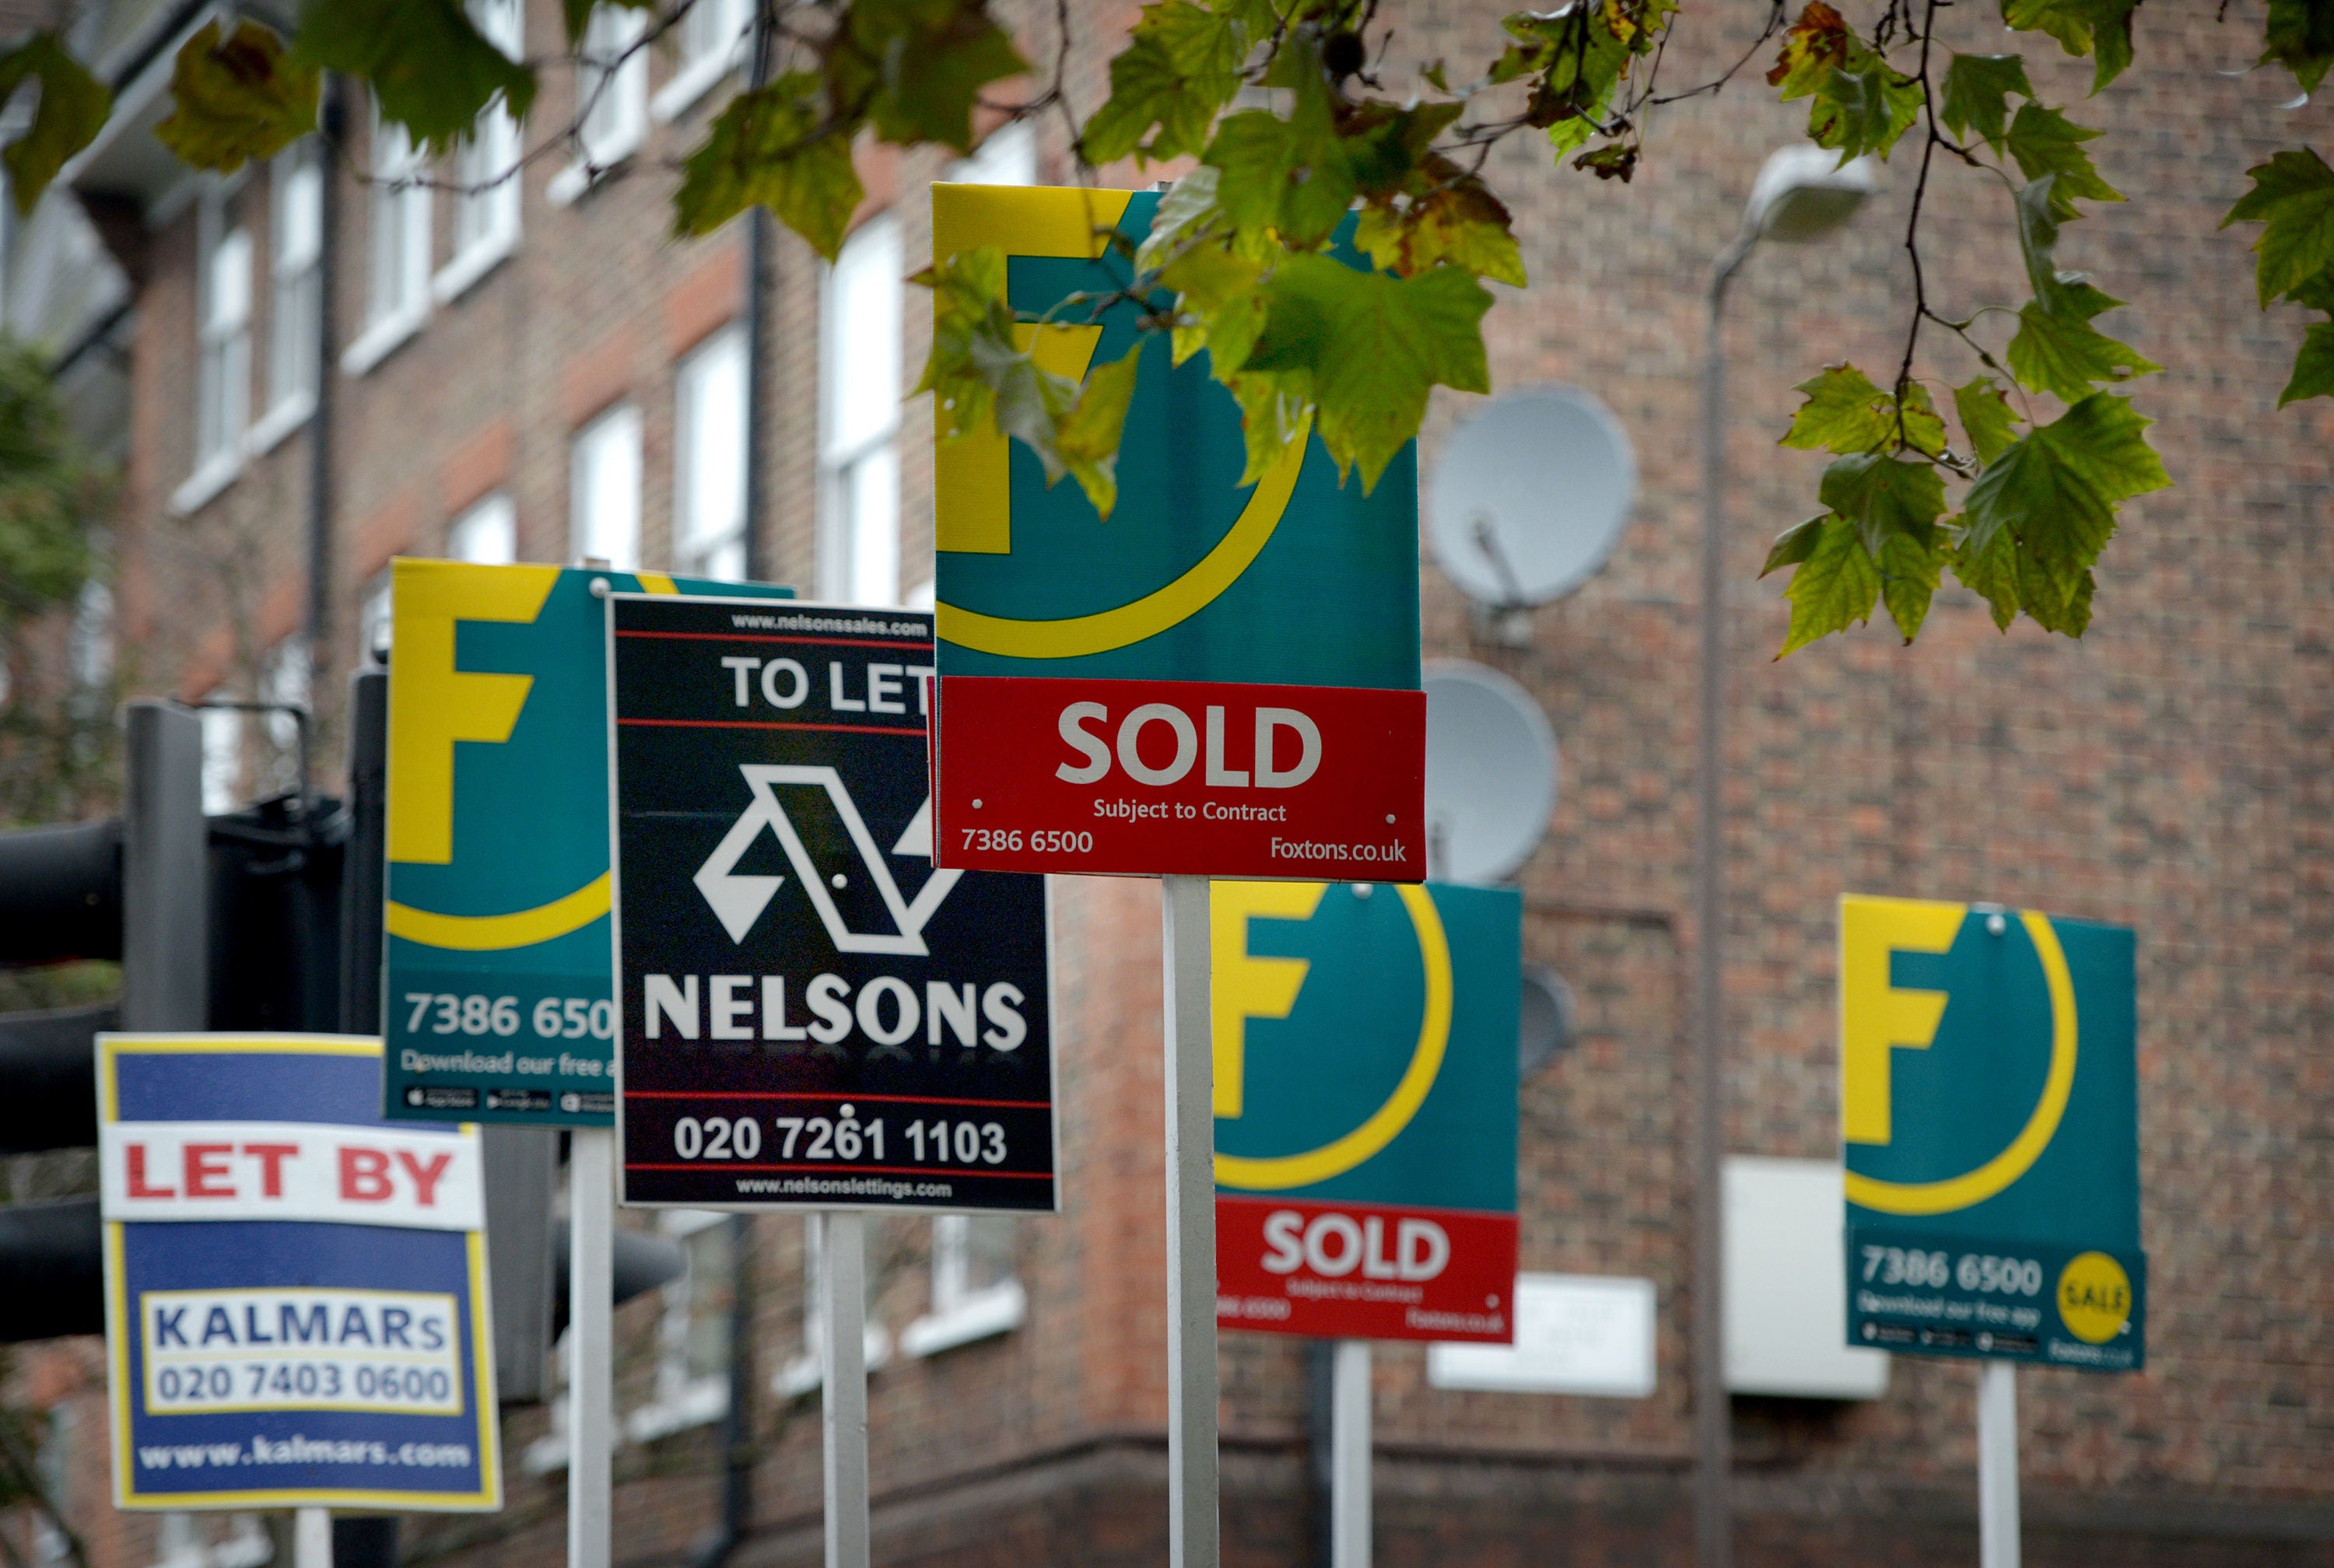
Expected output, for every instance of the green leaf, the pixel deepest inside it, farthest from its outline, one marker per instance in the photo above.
(1864, 106)
(1883, 495)
(237, 100)
(1088, 435)
(1181, 66)
(2300, 37)
(1977, 90)
(1459, 221)
(1271, 418)
(2313, 367)
(2098, 28)
(72, 109)
(1793, 545)
(1846, 413)
(916, 67)
(2056, 492)
(431, 72)
(1987, 417)
(2038, 233)
(2045, 141)
(2293, 198)
(2057, 350)
(1833, 586)
(1294, 176)
(1910, 565)
(1814, 46)
(771, 147)
(1365, 347)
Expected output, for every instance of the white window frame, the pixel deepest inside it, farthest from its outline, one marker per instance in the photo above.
(487, 221)
(222, 758)
(960, 1314)
(707, 545)
(90, 641)
(1008, 157)
(222, 399)
(374, 623)
(612, 101)
(853, 568)
(286, 676)
(683, 1400)
(805, 1370)
(620, 424)
(486, 534)
(295, 297)
(398, 248)
(715, 38)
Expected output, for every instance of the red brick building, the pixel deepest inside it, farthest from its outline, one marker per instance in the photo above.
(539, 373)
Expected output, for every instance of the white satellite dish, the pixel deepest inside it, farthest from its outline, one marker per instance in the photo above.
(1490, 773)
(1529, 496)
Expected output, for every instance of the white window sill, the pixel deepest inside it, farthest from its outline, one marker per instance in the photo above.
(700, 1403)
(381, 338)
(984, 1314)
(692, 82)
(570, 185)
(457, 276)
(206, 482)
(803, 1374)
(278, 423)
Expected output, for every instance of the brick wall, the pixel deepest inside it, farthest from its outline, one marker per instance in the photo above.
(2167, 772)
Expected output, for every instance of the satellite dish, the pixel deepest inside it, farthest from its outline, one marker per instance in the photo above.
(1490, 773)
(1529, 496)
(1544, 1023)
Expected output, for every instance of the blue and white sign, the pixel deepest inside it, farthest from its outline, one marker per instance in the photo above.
(295, 1290)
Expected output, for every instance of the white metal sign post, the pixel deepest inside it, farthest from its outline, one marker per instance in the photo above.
(1349, 1457)
(841, 1241)
(1997, 1464)
(591, 1345)
(1192, 1540)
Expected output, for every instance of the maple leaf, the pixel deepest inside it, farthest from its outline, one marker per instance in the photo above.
(237, 99)
(771, 145)
(71, 112)
(2293, 199)
(430, 69)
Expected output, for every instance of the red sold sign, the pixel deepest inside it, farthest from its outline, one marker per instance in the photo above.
(1365, 1271)
(1211, 778)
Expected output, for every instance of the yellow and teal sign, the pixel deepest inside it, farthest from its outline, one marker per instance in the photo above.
(1989, 1104)
(498, 996)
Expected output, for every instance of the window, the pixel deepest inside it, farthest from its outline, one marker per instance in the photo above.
(92, 639)
(974, 1292)
(488, 534)
(611, 93)
(487, 206)
(713, 37)
(374, 623)
(400, 250)
(1009, 157)
(709, 490)
(803, 1373)
(692, 1376)
(295, 297)
(221, 760)
(860, 554)
(604, 490)
(223, 375)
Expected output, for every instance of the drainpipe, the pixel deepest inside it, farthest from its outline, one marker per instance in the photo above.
(759, 561)
(319, 420)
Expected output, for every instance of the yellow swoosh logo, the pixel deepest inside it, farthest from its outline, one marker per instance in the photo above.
(495, 933)
(1079, 635)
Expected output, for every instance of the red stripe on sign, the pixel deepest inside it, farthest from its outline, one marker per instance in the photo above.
(1150, 778)
(766, 724)
(1365, 1271)
(797, 1094)
(922, 644)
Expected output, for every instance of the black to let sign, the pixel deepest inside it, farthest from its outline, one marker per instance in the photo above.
(811, 1017)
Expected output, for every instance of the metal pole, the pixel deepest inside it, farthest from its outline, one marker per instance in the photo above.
(842, 1402)
(759, 556)
(165, 872)
(1713, 1509)
(1997, 1464)
(1349, 1447)
(591, 1292)
(1192, 1536)
(311, 1538)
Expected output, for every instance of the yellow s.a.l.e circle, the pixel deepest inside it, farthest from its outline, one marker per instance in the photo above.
(2094, 1298)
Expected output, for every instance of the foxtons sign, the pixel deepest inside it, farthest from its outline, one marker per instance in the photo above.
(1221, 679)
(1366, 1109)
(812, 1015)
(1990, 1108)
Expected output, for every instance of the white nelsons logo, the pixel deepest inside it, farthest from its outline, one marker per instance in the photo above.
(738, 900)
